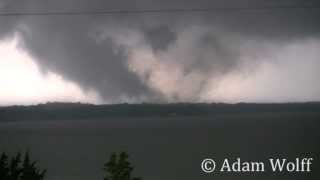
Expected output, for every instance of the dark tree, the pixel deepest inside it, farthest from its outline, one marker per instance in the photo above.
(119, 168)
(30, 171)
(15, 169)
(4, 169)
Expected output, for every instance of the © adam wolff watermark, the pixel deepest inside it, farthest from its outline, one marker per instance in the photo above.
(273, 164)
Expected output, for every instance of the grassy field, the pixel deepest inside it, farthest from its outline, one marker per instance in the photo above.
(171, 146)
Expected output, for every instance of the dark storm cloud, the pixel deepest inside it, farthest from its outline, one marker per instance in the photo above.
(8, 24)
(110, 54)
(160, 37)
(67, 48)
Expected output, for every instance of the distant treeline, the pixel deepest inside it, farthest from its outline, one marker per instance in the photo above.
(85, 111)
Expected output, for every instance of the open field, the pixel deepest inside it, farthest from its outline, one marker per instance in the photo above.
(170, 147)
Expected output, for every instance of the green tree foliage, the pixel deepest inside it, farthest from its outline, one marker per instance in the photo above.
(119, 168)
(16, 169)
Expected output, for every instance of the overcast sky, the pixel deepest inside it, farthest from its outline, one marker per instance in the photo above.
(266, 55)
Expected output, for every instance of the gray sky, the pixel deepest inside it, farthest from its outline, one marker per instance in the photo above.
(269, 55)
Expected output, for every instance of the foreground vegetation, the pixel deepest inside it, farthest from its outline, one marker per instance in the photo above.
(117, 168)
(15, 168)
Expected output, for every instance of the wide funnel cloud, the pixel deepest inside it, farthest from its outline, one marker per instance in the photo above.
(257, 55)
